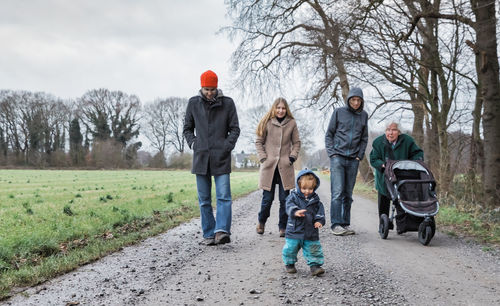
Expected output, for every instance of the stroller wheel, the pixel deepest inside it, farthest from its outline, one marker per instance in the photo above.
(433, 227)
(425, 233)
(383, 227)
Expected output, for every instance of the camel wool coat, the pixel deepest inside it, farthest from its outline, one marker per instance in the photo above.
(279, 142)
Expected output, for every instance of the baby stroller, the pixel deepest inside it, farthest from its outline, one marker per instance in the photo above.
(411, 187)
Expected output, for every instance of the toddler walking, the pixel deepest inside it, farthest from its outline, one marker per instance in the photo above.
(306, 215)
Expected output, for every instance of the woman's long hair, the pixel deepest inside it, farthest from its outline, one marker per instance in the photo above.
(261, 128)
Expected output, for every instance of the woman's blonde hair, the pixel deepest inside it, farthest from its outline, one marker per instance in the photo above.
(271, 114)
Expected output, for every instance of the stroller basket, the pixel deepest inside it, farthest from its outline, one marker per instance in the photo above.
(412, 184)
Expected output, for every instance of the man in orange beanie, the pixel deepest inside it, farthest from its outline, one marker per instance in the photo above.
(211, 130)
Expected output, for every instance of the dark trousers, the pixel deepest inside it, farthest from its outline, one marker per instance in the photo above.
(268, 198)
(384, 205)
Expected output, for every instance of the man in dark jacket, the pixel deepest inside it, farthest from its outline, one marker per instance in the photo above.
(345, 143)
(213, 116)
(394, 146)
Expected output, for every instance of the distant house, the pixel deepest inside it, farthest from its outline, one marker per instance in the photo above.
(245, 160)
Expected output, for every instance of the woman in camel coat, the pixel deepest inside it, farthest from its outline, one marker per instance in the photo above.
(278, 146)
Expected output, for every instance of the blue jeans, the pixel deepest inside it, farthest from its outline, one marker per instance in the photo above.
(222, 221)
(312, 251)
(343, 172)
(267, 201)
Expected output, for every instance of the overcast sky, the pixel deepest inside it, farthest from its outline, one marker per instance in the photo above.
(150, 48)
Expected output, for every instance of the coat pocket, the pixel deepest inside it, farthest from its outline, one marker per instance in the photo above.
(193, 145)
(220, 159)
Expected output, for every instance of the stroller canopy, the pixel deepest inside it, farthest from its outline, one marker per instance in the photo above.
(405, 165)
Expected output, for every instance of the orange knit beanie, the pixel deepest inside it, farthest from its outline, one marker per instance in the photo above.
(208, 79)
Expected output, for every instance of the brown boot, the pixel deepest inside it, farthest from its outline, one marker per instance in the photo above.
(260, 228)
(222, 238)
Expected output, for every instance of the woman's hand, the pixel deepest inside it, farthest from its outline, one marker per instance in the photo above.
(300, 213)
(292, 159)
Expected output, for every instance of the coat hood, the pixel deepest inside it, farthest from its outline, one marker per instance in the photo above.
(355, 92)
(301, 173)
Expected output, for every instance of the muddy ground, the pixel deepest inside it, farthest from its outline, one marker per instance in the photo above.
(173, 269)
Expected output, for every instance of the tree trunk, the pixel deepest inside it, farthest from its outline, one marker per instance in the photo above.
(418, 121)
(476, 150)
(432, 148)
(444, 158)
(488, 75)
(419, 106)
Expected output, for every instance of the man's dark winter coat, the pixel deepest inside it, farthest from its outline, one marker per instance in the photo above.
(211, 130)
(347, 133)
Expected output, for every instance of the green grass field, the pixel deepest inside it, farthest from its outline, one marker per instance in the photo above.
(52, 221)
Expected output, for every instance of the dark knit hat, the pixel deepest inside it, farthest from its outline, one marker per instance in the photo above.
(208, 79)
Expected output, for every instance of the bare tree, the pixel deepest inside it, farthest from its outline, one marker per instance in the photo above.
(424, 72)
(110, 114)
(283, 39)
(487, 67)
(35, 125)
(163, 123)
(251, 118)
(11, 118)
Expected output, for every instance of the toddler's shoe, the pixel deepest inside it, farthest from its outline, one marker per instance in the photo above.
(290, 268)
(317, 270)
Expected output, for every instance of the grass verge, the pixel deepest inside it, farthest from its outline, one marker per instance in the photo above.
(53, 221)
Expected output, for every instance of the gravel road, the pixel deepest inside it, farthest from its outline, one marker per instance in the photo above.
(173, 269)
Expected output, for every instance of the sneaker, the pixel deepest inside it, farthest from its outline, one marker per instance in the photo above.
(317, 270)
(348, 230)
(222, 237)
(208, 241)
(338, 231)
(282, 232)
(290, 268)
(260, 228)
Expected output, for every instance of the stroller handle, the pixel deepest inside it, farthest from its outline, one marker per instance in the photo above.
(402, 182)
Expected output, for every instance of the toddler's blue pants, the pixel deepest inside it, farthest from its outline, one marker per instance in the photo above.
(311, 250)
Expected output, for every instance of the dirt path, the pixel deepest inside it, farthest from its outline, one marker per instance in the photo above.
(362, 269)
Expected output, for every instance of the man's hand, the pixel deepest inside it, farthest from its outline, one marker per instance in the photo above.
(318, 225)
(300, 213)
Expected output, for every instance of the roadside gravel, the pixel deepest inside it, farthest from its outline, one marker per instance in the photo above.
(173, 269)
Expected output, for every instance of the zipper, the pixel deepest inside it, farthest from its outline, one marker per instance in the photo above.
(350, 140)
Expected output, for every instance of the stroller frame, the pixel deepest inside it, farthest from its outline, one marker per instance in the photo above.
(427, 227)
